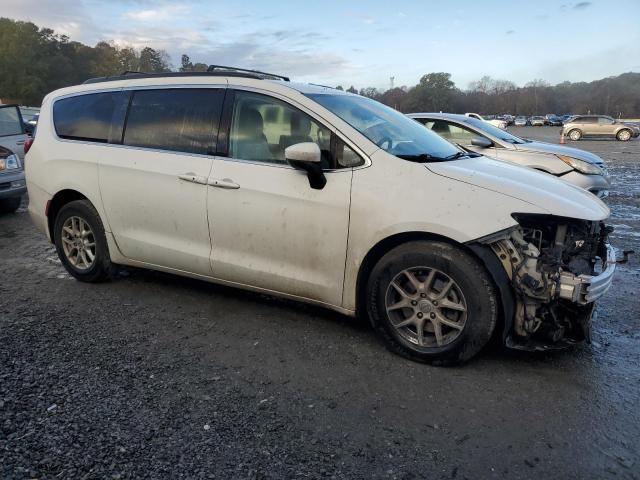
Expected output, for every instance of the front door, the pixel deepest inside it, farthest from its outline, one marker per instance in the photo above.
(12, 134)
(269, 228)
(154, 187)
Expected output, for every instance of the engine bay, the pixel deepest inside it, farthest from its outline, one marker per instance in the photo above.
(557, 268)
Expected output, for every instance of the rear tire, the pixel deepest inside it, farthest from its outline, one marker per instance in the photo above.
(81, 242)
(624, 135)
(10, 205)
(432, 302)
(575, 134)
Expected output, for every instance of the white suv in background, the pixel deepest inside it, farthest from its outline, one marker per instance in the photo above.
(246, 179)
(495, 122)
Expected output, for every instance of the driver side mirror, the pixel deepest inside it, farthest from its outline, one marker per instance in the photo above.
(481, 142)
(307, 156)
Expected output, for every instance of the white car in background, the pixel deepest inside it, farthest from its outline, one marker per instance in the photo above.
(520, 121)
(246, 179)
(536, 121)
(579, 167)
(497, 123)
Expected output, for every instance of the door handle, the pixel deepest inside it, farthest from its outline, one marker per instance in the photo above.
(20, 142)
(193, 178)
(224, 183)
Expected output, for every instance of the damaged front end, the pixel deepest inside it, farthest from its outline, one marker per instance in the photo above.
(556, 267)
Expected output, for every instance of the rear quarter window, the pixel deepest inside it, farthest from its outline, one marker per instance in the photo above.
(88, 117)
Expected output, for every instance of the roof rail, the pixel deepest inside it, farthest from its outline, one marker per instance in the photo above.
(323, 86)
(230, 72)
(213, 68)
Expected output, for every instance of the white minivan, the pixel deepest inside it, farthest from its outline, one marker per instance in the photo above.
(246, 179)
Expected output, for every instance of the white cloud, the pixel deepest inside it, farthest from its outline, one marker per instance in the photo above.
(68, 17)
(161, 14)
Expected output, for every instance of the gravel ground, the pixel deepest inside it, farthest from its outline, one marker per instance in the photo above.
(156, 376)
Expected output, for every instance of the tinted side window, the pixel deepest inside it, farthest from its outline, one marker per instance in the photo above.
(345, 156)
(181, 119)
(87, 117)
(454, 133)
(426, 122)
(585, 120)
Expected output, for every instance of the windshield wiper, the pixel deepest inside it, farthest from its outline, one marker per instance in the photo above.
(464, 153)
(426, 157)
(422, 157)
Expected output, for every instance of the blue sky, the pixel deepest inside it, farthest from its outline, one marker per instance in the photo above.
(365, 42)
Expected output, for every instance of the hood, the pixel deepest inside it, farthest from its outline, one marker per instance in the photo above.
(545, 191)
(559, 150)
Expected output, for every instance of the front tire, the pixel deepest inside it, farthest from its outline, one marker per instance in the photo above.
(575, 135)
(624, 135)
(432, 302)
(81, 242)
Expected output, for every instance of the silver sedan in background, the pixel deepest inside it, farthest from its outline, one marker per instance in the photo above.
(576, 166)
(520, 121)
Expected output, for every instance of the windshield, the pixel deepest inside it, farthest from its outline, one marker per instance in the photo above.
(389, 129)
(495, 131)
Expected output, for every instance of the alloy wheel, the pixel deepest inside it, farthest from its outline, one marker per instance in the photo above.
(78, 243)
(624, 135)
(426, 307)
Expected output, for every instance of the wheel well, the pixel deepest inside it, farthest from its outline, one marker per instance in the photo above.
(58, 201)
(490, 263)
(378, 251)
(623, 129)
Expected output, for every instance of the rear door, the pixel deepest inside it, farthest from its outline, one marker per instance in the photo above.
(269, 228)
(154, 186)
(12, 133)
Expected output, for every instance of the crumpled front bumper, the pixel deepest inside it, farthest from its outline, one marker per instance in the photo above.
(585, 289)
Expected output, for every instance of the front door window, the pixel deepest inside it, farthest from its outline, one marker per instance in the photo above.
(263, 127)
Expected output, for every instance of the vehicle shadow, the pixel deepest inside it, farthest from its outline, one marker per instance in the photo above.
(274, 306)
(184, 285)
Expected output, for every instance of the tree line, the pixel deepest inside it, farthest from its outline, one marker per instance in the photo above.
(35, 61)
(618, 96)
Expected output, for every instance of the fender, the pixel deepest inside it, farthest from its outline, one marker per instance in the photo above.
(501, 280)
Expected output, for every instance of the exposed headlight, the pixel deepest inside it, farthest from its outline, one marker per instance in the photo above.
(580, 165)
(9, 163)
